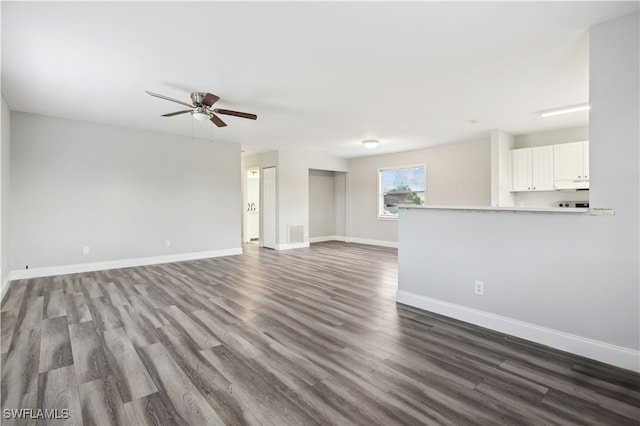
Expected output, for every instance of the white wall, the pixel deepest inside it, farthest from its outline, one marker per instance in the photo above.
(501, 145)
(614, 128)
(563, 280)
(322, 204)
(340, 204)
(293, 189)
(456, 175)
(552, 137)
(122, 192)
(5, 169)
(567, 281)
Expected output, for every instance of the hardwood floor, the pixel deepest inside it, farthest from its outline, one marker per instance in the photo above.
(299, 337)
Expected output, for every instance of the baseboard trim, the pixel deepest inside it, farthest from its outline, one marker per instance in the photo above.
(5, 287)
(611, 354)
(382, 243)
(290, 246)
(48, 271)
(326, 238)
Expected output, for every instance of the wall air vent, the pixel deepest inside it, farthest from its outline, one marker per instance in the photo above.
(296, 234)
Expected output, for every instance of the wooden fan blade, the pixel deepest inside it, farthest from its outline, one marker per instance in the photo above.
(209, 99)
(236, 113)
(216, 120)
(168, 98)
(171, 114)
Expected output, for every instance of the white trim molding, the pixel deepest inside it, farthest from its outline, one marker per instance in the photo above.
(5, 287)
(382, 243)
(290, 246)
(326, 238)
(611, 354)
(47, 271)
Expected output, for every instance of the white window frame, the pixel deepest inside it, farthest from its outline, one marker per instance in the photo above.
(380, 195)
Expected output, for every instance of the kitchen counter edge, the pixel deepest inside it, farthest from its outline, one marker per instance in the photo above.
(559, 210)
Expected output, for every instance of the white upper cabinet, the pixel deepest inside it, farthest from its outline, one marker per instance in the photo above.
(542, 168)
(521, 169)
(532, 169)
(571, 165)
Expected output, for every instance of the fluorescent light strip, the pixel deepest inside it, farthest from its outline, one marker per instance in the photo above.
(564, 110)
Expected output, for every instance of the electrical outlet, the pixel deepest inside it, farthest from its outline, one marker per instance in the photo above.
(167, 243)
(86, 250)
(479, 288)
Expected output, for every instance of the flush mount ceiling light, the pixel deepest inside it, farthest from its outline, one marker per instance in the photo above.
(564, 110)
(370, 143)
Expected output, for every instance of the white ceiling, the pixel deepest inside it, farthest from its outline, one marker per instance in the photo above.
(320, 76)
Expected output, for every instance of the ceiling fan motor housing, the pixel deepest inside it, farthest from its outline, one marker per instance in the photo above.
(196, 98)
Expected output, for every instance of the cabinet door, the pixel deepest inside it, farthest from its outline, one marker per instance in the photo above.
(542, 168)
(521, 169)
(567, 165)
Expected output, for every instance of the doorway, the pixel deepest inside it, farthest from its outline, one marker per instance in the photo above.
(327, 205)
(252, 207)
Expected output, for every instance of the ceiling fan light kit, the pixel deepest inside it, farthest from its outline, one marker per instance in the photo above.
(199, 115)
(201, 103)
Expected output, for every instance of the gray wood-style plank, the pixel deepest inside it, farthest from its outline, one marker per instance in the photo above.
(307, 336)
(173, 382)
(54, 304)
(112, 292)
(77, 308)
(58, 391)
(13, 299)
(8, 325)
(132, 378)
(105, 316)
(101, 403)
(55, 348)
(152, 410)
(20, 369)
(189, 327)
(30, 315)
(89, 356)
(210, 382)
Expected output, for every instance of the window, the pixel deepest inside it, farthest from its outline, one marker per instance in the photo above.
(397, 186)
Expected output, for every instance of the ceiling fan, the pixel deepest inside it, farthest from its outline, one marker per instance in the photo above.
(201, 108)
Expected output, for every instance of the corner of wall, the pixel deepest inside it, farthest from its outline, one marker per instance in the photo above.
(5, 164)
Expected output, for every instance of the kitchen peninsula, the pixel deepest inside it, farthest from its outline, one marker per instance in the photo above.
(539, 273)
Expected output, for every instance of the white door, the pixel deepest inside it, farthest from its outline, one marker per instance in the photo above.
(269, 218)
